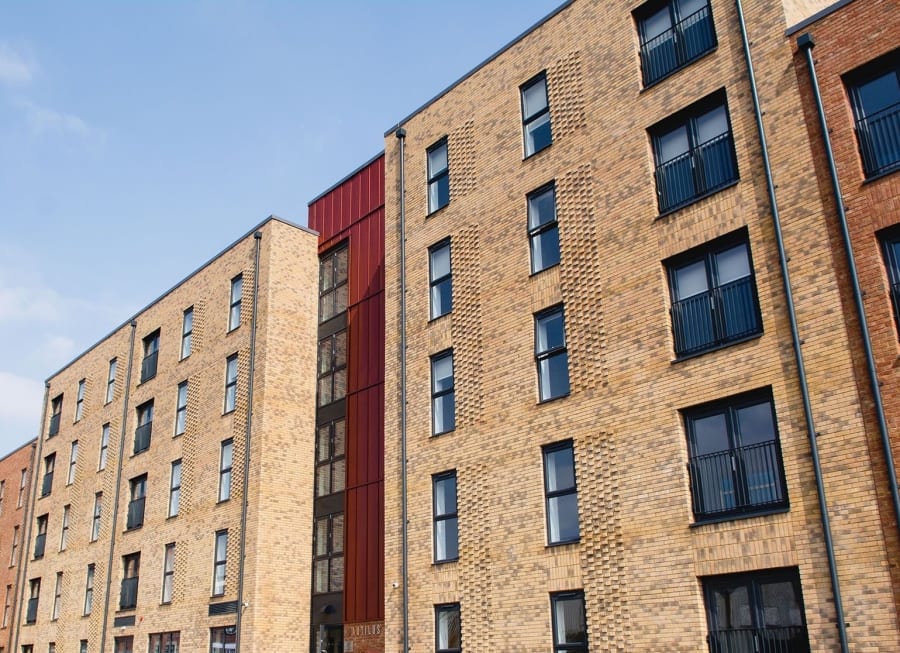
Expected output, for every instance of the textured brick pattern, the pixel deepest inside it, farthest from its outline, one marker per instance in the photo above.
(477, 566)
(462, 160)
(566, 94)
(466, 328)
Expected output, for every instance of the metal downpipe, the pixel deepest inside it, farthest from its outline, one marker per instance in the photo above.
(795, 337)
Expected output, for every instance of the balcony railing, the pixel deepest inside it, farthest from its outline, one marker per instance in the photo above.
(135, 513)
(47, 484)
(743, 479)
(54, 425)
(142, 437)
(879, 140)
(705, 168)
(39, 542)
(31, 614)
(148, 366)
(680, 44)
(128, 596)
(786, 639)
(715, 317)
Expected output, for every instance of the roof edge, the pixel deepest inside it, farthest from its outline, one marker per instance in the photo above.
(819, 15)
(30, 443)
(345, 178)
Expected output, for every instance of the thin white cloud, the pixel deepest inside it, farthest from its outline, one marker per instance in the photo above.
(57, 351)
(20, 399)
(14, 69)
(28, 303)
(43, 120)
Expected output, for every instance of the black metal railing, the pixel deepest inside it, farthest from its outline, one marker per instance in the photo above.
(717, 316)
(879, 140)
(697, 172)
(128, 596)
(47, 484)
(39, 542)
(54, 425)
(142, 437)
(738, 480)
(784, 639)
(680, 44)
(148, 366)
(135, 513)
(31, 614)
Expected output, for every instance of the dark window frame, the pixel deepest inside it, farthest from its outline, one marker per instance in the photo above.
(181, 399)
(451, 609)
(88, 605)
(225, 469)
(542, 356)
(79, 399)
(331, 368)
(529, 120)
(104, 447)
(34, 597)
(220, 564)
(137, 487)
(569, 595)
(436, 284)
(439, 395)
(331, 472)
(450, 516)
(111, 380)
(889, 240)
(143, 432)
(187, 332)
(169, 641)
(330, 556)
(168, 579)
(677, 37)
(73, 462)
(436, 178)
(40, 537)
(150, 361)
(231, 383)
(57, 597)
(131, 576)
(49, 468)
(174, 489)
(56, 405)
(550, 495)
(867, 126)
(537, 231)
(64, 528)
(97, 514)
(234, 301)
(334, 283)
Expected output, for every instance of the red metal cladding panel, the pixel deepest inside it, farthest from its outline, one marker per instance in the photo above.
(364, 555)
(365, 437)
(366, 346)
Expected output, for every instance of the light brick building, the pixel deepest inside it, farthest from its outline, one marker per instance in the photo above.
(609, 426)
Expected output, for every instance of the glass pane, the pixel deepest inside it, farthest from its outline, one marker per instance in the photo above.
(732, 264)
(341, 265)
(340, 298)
(555, 376)
(545, 249)
(326, 273)
(440, 262)
(879, 93)
(441, 373)
(325, 390)
(442, 298)
(563, 517)
(337, 533)
(321, 567)
(438, 192)
(710, 434)
(337, 574)
(570, 625)
(437, 160)
(234, 317)
(755, 424)
(337, 476)
(690, 280)
(325, 357)
(560, 469)
(534, 98)
(323, 480)
(780, 607)
(673, 144)
(176, 475)
(339, 437)
(445, 496)
(732, 607)
(446, 539)
(221, 546)
(322, 536)
(326, 307)
(237, 287)
(538, 134)
(711, 124)
(448, 629)
(323, 443)
(340, 349)
(656, 24)
(340, 384)
(444, 413)
(542, 208)
(550, 332)
(688, 7)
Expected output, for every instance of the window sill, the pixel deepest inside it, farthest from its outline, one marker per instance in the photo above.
(223, 501)
(441, 563)
(686, 64)
(556, 545)
(552, 399)
(882, 175)
(724, 345)
(697, 198)
(432, 320)
(232, 330)
(133, 528)
(437, 210)
(744, 515)
(228, 412)
(536, 152)
(535, 273)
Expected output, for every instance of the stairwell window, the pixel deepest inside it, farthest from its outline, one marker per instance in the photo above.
(446, 520)
(40, 538)
(330, 462)
(875, 95)
(440, 279)
(57, 596)
(560, 493)
(536, 115)
(438, 176)
(332, 376)
(34, 597)
(64, 532)
(73, 463)
(234, 307)
(328, 554)
(333, 283)
(151, 356)
(569, 622)
(543, 229)
(551, 354)
(181, 397)
(673, 33)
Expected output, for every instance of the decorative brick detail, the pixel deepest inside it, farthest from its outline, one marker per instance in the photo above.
(466, 328)
(199, 327)
(476, 568)
(461, 151)
(566, 95)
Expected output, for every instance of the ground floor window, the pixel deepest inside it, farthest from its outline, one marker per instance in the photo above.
(124, 644)
(222, 639)
(164, 642)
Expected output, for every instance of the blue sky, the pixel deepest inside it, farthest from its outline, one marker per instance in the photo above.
(138, 139)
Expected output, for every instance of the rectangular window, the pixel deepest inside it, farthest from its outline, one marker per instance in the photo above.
(333, 286)
(234, 307)
(673, 33)
(181, 398)
(57, 596)
(440, 279)
(551, 354)
(7, 606)
(34, 596)
(23, 482)
(187, 332)
(443, 394)
(447, 628)
(144, 429)
(446, 521)
(138, 487)
(225, 470)
(164, 642)
(64, 532)
(890, 245)
(89, 590)
(49, 466)
(124, 644)
(79, 400)
(438, 176)
(330, 466)
(761, 611)
(95, 520)
(175, 489)
(151, 354)
(328, 550)
(543, 230)
(222, 640)
(560, 493)
(332, 377)
(569, 622)
(536, 115)
(735, 457)
(104, 447)
(55, 415)
(111, 381)
(40, 538)
(694, 152)
(231, 378)
(83, 646)
(131, 570)
(875, 95)
(2, 494)
(73, 462)
(14, 548)
(220, 563)
(714, 298)
(168, 573)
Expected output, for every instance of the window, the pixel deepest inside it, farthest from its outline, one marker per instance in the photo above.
(23, 482)
(55, 413)
(95, 520)
(131, 568)
(231, 375)
(447, 628)
(79, 400)
(104, 447)
(225, 470)
(175, 489)
(328, 550)
(138, 487)
(875, 95)
(57, 596)
(551, 354)
(332, 377)
(124, 644)
(222, 640)
(51, 647)
(333, 287)
(151, 353)
(543, 230)
(187, 332)
(443, 395)
(561, 493)
(34, 595)
(49, 465)
(2, 494)
(89, 590)
(694, 153)
(111, 381)
(7, 606)
(440, 279)
(181, 407)
(234, 310)
(330, 468)
(168, 573)
(536, 115)
(40, 538)
(890, 244)
(673, 33)
(569, 623)
(73, 461)
(14, 549)
(83, 646)
(713, 296)
(760, 611)
(64, 532)
(438, 176)
(220, 563)
(735, 458)
(27, 648)
(164, 642)
(446, 521)
(144, 429)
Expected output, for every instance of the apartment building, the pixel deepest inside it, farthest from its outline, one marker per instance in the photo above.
(624, 403)
(15, 478)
